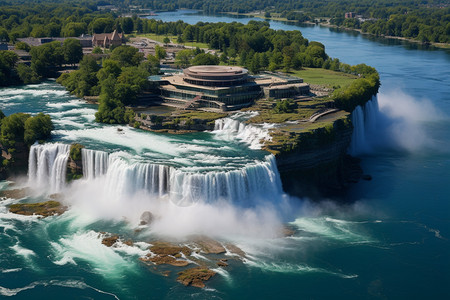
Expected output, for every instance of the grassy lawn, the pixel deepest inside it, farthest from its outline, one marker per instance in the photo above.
(173, 38)
(324, 77)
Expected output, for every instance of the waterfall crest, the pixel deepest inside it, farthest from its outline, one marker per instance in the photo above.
(233, 127)
(120, 177)
(47, 166)
(364, 120)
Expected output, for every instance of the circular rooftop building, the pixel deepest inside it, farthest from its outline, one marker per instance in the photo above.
(218, 76)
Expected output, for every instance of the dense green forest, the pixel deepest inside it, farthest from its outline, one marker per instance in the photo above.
(424, 20)
(117, 79)
(45, 61)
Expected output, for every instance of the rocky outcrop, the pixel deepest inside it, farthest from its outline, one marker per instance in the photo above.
(180, 122)
(44, 209)
(195, 276)
(15, 193)
(14, 161)
(167, 253)
(74, 163)
(208, 245)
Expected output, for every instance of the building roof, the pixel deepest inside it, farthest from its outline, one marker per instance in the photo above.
(215, 71)
(114, 36)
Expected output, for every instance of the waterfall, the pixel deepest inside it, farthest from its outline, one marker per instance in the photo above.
(233, 128)
(95, 163)
(364, 120)
(120, 177)
(241, 186)
(47, 166)
(124, 178)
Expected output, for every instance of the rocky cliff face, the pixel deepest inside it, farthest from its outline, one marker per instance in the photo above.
(14, 163)
(317, 165)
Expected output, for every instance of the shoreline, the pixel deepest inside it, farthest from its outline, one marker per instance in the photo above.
(277, 19)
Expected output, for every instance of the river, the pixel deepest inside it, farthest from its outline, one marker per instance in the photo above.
(390, 239)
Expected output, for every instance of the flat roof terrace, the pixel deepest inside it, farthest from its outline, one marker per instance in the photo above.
(214, 71)
(178, 80)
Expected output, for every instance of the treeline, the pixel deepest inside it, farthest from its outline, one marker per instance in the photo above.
(117, 80)
(424, 20)
(359, 91)
(45, 60)
(430, 28)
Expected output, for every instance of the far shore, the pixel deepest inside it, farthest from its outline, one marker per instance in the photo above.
(437, 45)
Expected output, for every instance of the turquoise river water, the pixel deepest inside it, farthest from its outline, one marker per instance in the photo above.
(389, 241)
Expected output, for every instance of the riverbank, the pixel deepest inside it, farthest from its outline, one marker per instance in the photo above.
(328, 25)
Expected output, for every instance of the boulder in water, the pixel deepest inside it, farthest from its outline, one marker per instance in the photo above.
(165, 248)
(222, 262)
(209, 246)
(235, 250)
(45, 209)
(147, 218)
(165, 259)
(109, 241)
(195, 276)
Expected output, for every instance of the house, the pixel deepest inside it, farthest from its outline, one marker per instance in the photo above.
(350, 15)
(105, 40)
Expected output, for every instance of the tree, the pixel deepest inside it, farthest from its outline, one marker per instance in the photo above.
(23, 46)
(101, 25)
(166, 40)
(110, 110)
(37, 128)
(4, 37)
(127, 25)
(97, 50)
(127, 55)
(183, 58)
(26, 74)
(8, 60)
(13, 129)
(153, 65)
(188, 33)
(205, 59)
(160, 52)
(73, 52)
(74, 29)
(45, 57)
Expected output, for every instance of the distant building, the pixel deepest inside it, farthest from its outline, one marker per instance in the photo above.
(24, 57)
(85, 40)
(107, 7)
(105, 40)
(350, 15)
(225, 88)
